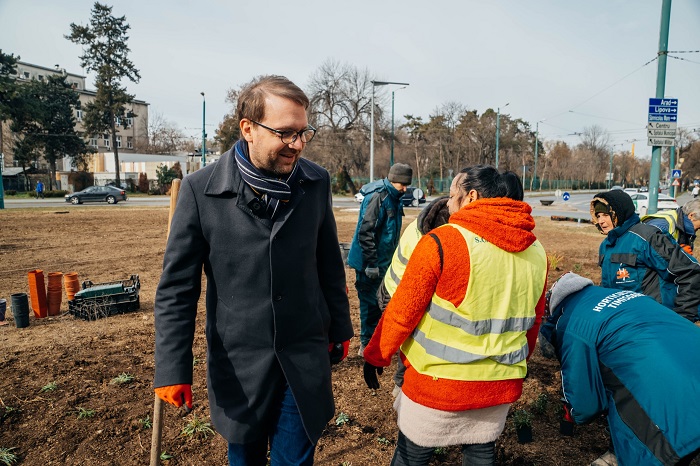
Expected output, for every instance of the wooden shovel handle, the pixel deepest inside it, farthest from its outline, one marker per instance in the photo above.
(157, 402)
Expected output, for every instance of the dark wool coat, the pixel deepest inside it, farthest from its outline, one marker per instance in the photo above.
(275, 298)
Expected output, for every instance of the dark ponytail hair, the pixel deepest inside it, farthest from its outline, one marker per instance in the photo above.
(488, 182)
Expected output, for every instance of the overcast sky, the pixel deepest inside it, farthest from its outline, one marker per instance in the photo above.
(573, 64)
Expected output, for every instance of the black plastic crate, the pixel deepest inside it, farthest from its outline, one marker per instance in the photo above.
(98, 300)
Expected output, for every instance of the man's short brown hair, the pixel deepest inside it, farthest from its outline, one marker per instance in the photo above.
(251, 101)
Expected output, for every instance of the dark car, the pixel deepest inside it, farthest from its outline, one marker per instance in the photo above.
(108, 194)
(413, 197)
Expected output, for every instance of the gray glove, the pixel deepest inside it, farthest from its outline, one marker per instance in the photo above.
(372, 272)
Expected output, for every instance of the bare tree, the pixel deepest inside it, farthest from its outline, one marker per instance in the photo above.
(164, 137)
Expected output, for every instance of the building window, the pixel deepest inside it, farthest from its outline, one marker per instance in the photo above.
(105, 138)
(117, 121)
(119, 142)
(79, 115)
(129, 142)
(40, 77)
(25, 75)
(93, 141)
(130, 121)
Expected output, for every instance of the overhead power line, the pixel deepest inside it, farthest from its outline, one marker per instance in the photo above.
(684, 59)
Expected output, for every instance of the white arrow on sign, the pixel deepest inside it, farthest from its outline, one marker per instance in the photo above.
(662, 125)
(665, 142)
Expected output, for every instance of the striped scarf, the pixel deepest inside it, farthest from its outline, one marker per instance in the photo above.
(272, 191)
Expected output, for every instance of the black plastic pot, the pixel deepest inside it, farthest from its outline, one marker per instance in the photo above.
(524, 434)
(3, 308)
(566, 428)
(20, 309)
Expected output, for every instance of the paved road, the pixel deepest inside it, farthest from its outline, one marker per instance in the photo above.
(576, 207)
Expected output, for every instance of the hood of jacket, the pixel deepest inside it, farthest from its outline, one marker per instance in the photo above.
(501, 221)
(619, 204)
(434, 215)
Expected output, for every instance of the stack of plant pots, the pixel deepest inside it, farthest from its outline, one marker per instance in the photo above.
(37, 293)
(55, 293)
(72, 285)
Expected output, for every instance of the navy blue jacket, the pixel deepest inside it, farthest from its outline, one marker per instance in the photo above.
(624, 354)
(378, 227)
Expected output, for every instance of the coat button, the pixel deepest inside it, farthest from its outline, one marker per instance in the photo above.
(278, 298)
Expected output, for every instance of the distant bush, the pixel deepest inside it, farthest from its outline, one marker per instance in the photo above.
(10, 192)
(55, 193)
(143, 183)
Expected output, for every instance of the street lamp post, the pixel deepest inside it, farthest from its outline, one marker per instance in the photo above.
(498, 130)
(391, 159)
(537, 135)
(371, 125)
(204, 132)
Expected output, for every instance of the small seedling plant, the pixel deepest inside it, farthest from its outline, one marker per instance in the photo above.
(146, 422)
(539, 406)
(122, 379)
(7, 458)
(341, 419)
(522, 418)
(49, 387)
(84, 413)
(197, 427)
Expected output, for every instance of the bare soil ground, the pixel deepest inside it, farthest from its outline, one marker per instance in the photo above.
(54, 427)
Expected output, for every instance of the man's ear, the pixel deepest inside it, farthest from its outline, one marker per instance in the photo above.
(246, 127)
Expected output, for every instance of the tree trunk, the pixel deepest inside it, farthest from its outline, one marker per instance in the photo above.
(113, 129)
(415, 145)
(52, 172)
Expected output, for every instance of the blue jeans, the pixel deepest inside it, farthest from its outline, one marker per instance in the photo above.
(370, 313)
(289, 444)
(408, 453)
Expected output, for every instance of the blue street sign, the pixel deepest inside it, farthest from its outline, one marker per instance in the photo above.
(662, 117)
(668, 102)
(660, 109)
(566, 196)
(676, 174)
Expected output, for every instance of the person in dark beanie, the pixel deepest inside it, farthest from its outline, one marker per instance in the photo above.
(435, 214)
(639, 257)
(624, 355)
(375, 239)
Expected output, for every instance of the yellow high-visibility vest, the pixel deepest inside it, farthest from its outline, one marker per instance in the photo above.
(407, 243)
(671, 216)
(484, 338)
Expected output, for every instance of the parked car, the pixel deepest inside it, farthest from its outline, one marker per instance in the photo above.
(108, 194)
(641, 203)
(631, 191)
(412, 197)
(644, 189)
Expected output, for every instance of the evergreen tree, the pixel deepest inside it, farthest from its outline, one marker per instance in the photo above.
(106, 53)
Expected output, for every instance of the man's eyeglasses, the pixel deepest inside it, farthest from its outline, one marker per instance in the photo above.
(290, 137)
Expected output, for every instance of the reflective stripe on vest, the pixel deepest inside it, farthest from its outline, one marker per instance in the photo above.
(484, 338)
(407, 243)
(671, 216)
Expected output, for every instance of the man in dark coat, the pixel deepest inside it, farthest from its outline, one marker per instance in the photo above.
(260, 223)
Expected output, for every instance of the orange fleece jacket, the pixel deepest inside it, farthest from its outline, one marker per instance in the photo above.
(501, 221)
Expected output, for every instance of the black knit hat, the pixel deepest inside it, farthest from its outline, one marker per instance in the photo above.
(401, 173)
(619, 206)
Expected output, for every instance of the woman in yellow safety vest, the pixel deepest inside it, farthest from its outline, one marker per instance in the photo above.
(465, 315)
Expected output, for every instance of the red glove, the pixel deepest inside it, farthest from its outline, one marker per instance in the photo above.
(687, 248)
(176, 394)
(567, 413)
(338, 351)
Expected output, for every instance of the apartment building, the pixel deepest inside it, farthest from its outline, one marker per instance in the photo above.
(131, 135)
